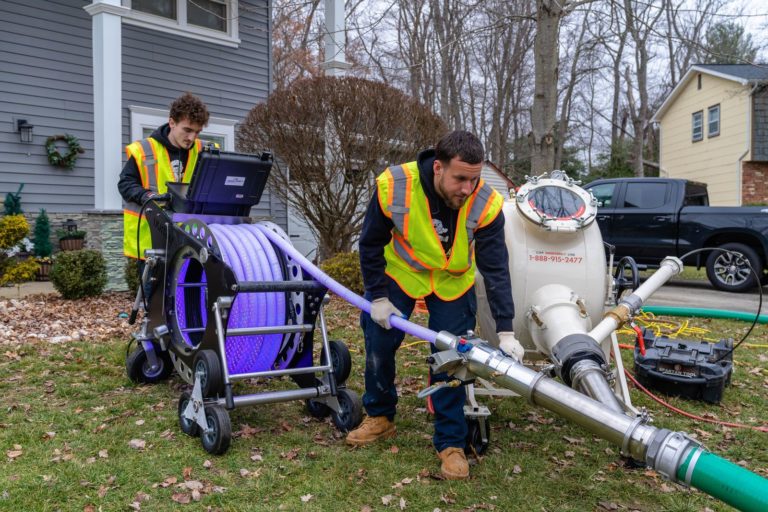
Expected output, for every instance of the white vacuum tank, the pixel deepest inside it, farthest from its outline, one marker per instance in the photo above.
(556, 263)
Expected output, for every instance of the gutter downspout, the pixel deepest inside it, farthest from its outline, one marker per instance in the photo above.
(739, 171)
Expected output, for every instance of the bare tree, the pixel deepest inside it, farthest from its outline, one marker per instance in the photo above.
(641, 20)
(549, 14)
(328, 180)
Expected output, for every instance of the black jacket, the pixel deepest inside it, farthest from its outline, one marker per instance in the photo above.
(129, 184)
(490, 249)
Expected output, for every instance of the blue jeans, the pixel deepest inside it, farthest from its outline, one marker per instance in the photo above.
(380, 398)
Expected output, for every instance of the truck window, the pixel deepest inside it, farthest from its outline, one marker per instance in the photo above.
(695, 195)
(645, 195)
(604, 194)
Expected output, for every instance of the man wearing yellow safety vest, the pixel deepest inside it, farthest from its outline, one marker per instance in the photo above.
(423, 228)
(169, 154)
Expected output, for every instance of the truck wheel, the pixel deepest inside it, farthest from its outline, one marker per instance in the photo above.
(730, 272)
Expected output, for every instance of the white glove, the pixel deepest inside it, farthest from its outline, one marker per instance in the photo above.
(509, 344)
(381, 310)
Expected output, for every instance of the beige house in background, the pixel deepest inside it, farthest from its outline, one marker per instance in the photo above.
(714, 129)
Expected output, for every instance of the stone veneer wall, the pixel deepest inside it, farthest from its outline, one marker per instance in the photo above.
(104, 233)
(754, 183)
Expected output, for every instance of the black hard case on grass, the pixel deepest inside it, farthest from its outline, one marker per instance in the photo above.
(688, 369)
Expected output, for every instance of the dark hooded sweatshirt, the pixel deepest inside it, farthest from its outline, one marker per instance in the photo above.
(490, 249)
(129, 184)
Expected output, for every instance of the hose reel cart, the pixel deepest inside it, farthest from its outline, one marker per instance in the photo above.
(229, 305)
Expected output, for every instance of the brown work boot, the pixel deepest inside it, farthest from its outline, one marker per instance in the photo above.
(372, 429)
(455, 465)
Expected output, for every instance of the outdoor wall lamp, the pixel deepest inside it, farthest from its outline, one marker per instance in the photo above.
(25, 130)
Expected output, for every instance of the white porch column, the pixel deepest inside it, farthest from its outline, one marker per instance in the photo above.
(107, 101)
(335, 60)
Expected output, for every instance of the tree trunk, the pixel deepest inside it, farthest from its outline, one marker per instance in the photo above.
(543, 114)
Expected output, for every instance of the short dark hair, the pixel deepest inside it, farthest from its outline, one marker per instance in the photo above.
(190, 107)
(460, 143)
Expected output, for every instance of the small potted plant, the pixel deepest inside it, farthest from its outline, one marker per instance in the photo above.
(71, 238)
(42, 245)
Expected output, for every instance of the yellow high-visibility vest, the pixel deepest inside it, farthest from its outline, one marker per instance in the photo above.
(155, 170)
(415, 257)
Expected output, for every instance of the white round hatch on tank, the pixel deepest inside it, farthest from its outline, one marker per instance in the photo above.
(556, 203)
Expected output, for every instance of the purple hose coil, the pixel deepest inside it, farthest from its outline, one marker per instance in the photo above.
(251, 353)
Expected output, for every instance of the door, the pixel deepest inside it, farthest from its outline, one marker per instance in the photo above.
(644, 225)
(606, 195)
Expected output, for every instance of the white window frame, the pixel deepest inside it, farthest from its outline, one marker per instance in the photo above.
(180, 26)
(710, 132)
(146, 117)
(694, 138)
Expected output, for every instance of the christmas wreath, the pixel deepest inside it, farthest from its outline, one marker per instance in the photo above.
(57, 159)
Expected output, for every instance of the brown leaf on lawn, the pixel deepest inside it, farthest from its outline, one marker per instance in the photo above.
(608, 505)
(89, 508)
(402, 503)
(103, 491)
(574, 440)
(187, 472)
(394, 448)
(291, 454)
(386, 500)
(207, 464)
(49, 435)
(517, 469)
(192, 485)
(570, 454)
(103, 454)
(196, 496)
(366, 508)
(169, 481)
(13, 454)
(182, 498)
(306, 498)
(137, 444)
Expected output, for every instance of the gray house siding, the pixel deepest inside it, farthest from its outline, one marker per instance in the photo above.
(46, 78)
(760, 125)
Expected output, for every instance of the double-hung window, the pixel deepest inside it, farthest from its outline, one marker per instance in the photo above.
(697, 121)
(713, 121)
(208, 20)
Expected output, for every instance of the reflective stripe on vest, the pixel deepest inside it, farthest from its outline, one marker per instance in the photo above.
(415, 256)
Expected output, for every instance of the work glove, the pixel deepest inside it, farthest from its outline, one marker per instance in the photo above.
(381, 310)
(509, 344)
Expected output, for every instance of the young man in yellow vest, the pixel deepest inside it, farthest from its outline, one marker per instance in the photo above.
(423, 228)
(169, 154)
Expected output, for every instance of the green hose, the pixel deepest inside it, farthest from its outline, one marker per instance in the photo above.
(724, 480)
(705, 313)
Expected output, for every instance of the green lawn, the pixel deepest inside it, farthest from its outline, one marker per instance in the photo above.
(77, 435)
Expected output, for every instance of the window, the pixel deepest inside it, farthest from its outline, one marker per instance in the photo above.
(208, 20)
(645, 195)
(698, 126)
(713, 121)
(144, 120)
(604, 194)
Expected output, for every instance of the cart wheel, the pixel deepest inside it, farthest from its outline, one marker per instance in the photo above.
(189, 427)
(318, 409)
(350, 413)
(216, 441)
(211, 380)
(475, 442)
(340, 359)
(138, 369)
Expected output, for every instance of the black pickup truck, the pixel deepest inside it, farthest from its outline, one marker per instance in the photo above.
(650, 218)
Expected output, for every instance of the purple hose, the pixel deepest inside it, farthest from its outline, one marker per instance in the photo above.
(246, 354)
(348, 295)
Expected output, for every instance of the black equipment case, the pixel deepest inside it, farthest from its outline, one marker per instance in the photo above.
(689, 369)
